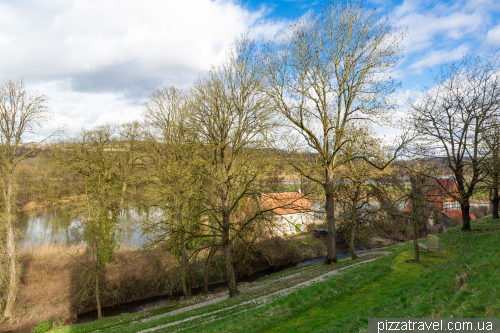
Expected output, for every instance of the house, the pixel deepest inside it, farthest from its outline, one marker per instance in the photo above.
(290, 212)
(441, 198)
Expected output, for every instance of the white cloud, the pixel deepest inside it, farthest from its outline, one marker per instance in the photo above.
(147, 39)
(98, 59)
(75, 109)
(449, 21)
(493, 36)
(438, 57)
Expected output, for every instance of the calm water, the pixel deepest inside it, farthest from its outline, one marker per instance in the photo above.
(49, 225)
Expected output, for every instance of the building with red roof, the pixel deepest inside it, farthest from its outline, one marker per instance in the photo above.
(442, 197)
(291, 211)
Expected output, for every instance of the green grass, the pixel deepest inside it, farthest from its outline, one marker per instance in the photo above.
(389, 287)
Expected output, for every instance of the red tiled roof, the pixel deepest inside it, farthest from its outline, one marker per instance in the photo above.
(440, 190)
(457, 214)
(285, 203)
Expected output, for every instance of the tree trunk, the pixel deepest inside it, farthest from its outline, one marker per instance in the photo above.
(352, 248)
(183, 282)
(330, 218)
(11, 249)
(207, 268)
(185, 276)
(494, 198)
(231, 279)
(122, 198)
(354, 224)
(97, 298)
(415, 239)
(465, 217)
(226, 223)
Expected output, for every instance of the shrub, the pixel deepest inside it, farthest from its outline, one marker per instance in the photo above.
(481, 210)
(43, 326)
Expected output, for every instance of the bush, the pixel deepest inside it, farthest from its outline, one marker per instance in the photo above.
(434, 229)
(481, 210)
(43, 326)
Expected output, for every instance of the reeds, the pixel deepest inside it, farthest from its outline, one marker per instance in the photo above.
(53, 249)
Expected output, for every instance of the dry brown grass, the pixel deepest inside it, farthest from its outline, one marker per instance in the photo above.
(52, 249)
(49, 250)
(52, 281)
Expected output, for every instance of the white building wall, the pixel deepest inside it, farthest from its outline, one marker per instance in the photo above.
(285, 224)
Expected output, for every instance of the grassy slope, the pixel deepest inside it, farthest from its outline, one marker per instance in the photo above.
(388, 287)
(391, 287)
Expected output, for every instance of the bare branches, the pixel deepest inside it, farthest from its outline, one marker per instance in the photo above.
(454, 118)
(325, 74)
(21, 113)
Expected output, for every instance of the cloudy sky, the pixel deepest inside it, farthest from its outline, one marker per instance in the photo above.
(98, 60)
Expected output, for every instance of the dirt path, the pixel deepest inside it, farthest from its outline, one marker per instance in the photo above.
(252, 303)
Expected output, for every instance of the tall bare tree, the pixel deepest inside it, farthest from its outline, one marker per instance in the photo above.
(177, 178)
(22, 113)
(325, 73)
(94, 157)
(231, 118)
(492, 165)
(453, 118)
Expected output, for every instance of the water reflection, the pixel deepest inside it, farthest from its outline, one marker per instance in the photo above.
(50, 226)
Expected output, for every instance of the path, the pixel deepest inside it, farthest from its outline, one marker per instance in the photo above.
(250, 304)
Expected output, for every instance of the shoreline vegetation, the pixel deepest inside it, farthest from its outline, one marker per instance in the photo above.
(393, 286)
(295, 113)
(51, 278)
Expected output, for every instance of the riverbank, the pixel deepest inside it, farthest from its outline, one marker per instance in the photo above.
(54, 286)
(458, 283)
(216, 305)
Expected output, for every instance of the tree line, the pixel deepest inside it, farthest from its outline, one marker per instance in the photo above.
(308, 99)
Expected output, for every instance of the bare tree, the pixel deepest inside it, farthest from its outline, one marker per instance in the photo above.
(492, 165)
(231, 118)
(325, 73)
(93, 155)
(453, 118)
(177, 177)
(358, 178)
(22, 113)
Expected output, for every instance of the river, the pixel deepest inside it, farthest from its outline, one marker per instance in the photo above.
(50, 226)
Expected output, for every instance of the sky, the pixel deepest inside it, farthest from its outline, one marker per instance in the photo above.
(99, 60)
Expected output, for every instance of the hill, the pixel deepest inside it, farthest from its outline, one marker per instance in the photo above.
(461, 282)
